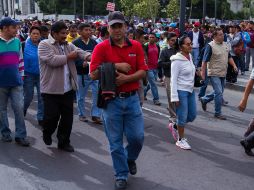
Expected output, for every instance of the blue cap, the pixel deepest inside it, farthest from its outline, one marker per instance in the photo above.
(173, 25)
(7, 21)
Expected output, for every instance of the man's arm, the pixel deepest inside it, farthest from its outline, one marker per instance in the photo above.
(123, 78)
(206, 59)
(232, 63)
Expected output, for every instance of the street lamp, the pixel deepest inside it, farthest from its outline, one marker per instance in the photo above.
(204, 11)
(215, 12)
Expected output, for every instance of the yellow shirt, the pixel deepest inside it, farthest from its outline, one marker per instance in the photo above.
(70, 38)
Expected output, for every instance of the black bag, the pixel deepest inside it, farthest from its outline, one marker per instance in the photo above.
(198, 81)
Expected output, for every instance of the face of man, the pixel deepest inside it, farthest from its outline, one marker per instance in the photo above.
(131, 36)
(117, 31)
(44, 34)
(10, 31)
(219, 37)
(152, 38)
(35, 35)
(73, 32)
(60, 37)
(86, 32)
(232, 30)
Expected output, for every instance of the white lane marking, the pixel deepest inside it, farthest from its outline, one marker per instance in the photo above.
(156, 112)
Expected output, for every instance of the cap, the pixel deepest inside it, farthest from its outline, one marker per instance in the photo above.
(7, 21)
(172, 25)
(115, 17)
(197, 24)
(140, 25)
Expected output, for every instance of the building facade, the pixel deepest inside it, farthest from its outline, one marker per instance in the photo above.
(14, 7)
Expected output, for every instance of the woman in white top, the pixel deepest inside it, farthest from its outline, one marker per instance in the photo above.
(182, 84)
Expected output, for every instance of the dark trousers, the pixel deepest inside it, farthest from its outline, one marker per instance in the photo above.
(58, 113)
(231, 74)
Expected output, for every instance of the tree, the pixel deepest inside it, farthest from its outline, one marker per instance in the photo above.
(173, 9)
(128, 7)
(147, 8)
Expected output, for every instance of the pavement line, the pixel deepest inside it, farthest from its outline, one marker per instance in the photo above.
(156, 112)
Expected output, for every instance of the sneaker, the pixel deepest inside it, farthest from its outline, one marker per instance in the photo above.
(157, 102)
(22, 141)
(97, 120)
(246, 148)
(83, 118)
(120, 184)
(173, 131)
(203, 104)
(183, 144)
(132, 167)
(6, 138)
(221, 117)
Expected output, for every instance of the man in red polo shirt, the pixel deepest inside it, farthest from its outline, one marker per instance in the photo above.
(123, 115)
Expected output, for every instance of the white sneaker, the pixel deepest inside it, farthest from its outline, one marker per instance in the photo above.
(183, 144)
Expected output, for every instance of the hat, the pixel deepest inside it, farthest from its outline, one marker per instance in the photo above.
(7, 21)
(172, 25)
(197, 24)
(140, 25)
(115, 17)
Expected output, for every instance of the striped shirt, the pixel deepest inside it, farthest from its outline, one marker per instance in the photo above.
(11, 63)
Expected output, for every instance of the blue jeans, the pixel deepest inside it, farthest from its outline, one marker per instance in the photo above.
(151, 76)
(195, 54)
(202, 90)
(16, 96)
(31, 81)
(83, 84)
(218, 84)
(123, 116)
(186, 111)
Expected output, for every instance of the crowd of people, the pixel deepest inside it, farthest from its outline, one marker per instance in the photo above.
(120, 62)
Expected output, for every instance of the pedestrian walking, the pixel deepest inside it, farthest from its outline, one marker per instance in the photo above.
(58, 80)
(182, 89)
(11, 84)
(123, 114)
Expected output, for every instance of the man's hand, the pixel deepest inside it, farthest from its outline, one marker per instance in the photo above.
(72, 55)
(176, 103)
(85, 64)
(88, 58)
(121, 79)
(123, 67)
(235, 69)
(242, 105)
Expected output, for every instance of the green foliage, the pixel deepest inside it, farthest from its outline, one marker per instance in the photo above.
(173, 9)
(128, 7)
(147, 8)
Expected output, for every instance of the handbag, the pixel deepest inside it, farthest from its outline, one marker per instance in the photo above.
(198, 81)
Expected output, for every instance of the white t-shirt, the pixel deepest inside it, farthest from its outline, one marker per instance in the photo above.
(252, 74)
(195, 40)
(67, 82)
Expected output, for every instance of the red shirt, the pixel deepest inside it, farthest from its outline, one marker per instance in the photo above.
(152, 56)
(131, 53)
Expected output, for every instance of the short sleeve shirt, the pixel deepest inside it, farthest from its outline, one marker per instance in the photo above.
(131, 53)
(252, 74)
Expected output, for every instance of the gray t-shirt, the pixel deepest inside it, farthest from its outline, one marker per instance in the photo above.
(252, 74)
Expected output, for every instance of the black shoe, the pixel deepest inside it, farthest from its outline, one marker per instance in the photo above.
(67, 148)
(120, 184)
(97, 120)
(221, 117)
(247, 150)
(132, 167)
(203, 104)
(22, 141)
(6, 138)
(40, 122)
(47, 139)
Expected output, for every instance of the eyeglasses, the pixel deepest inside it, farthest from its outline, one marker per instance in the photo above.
(189, 44)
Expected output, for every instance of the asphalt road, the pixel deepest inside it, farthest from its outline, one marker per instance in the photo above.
(216, 161)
